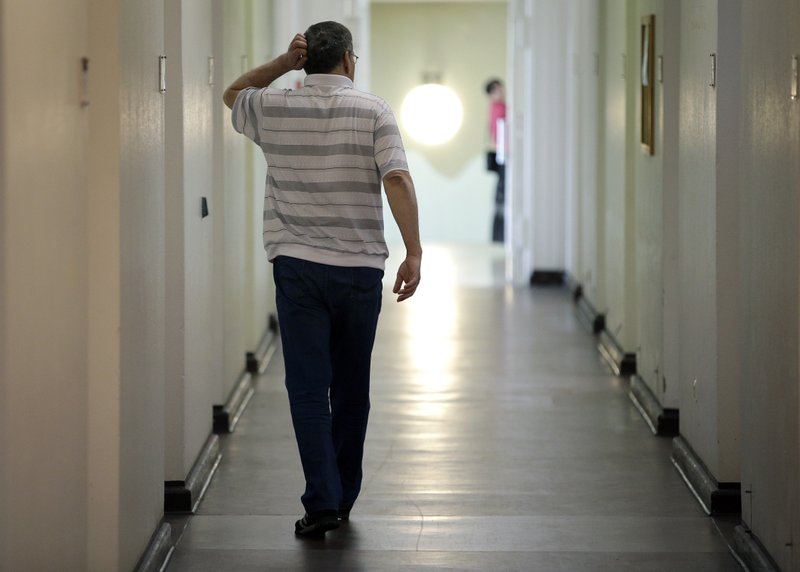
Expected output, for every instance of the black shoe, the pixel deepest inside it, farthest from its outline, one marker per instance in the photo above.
(344, 512)
(316, 525)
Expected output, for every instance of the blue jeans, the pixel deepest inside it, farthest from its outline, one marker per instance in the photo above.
(328, 316)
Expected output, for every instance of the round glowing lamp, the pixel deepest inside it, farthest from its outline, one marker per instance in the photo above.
(431, 114)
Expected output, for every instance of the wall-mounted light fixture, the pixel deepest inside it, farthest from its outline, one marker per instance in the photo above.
(431, 113)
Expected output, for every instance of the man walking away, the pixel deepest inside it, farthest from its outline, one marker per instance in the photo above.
(328, 147)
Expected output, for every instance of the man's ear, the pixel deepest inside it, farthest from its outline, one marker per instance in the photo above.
(347, 62)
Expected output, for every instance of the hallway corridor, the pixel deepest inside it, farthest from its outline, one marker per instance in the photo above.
(498, 441)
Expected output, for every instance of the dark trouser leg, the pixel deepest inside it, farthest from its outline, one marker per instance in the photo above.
(305, 325)
(498, 224)
(353, 336)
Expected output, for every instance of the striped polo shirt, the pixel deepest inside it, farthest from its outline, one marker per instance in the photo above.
(328, 147)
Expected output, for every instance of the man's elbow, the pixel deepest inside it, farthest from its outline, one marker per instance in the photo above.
(229, 97)
(396, 178)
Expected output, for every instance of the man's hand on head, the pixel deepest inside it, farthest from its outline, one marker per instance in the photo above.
(263, 76)
(297, 53)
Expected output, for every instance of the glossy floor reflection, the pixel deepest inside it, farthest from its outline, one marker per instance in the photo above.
(497, 441)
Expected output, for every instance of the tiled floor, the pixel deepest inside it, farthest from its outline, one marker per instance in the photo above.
(497, 441)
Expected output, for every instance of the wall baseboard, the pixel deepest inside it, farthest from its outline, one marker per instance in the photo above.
(184, 496)
(750, 552)
(258, 360)
(662, 422)
(621, 362)
(158, 552)
(575, 287)
(589, 317)
(716, 498)
(226, 416)
(547, 278)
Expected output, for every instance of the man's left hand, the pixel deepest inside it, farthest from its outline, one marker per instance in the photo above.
(408, 276)
(298, 52)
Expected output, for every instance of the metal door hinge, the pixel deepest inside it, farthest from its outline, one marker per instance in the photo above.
(713, 75)
(162, 74)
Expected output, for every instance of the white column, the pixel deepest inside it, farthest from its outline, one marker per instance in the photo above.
(142, 236)
(193, 360)
(520, 124)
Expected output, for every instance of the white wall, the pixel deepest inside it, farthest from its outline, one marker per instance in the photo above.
(583, 41)
(43, 237)
(547, 233)
(203, 352)
(649, 205)
(85, 293)
(538, 183)
(716, 241)
(194, 363)
(262, 296)
(174, 318)
(708, 237)
(619, 148)
(217, 273)
(236, 198)
(668, 390)
(729, 324)
(142, 278)
(518, 171)
(594, 246)
(286, 24)
(620, 235)
(768, 202)
(698, 228)
(103, 192)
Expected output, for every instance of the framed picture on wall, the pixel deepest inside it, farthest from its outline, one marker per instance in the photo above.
(648, 83)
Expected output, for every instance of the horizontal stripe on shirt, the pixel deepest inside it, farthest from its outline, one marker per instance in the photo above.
(318, 150)
(276, 112)
(325, 221)
(323, 187)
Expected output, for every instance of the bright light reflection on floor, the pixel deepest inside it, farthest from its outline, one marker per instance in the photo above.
(432, 318)
(431, 323)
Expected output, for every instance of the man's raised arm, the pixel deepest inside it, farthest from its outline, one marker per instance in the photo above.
(263, 76)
